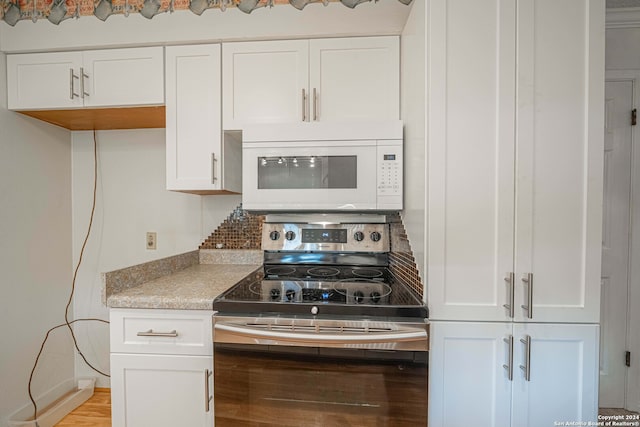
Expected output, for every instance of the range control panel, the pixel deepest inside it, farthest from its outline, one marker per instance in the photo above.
(325, 237)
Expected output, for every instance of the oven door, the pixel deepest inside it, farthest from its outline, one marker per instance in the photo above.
(322, 175)
(301, 378)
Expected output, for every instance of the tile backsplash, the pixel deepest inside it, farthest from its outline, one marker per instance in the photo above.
(243, 230)
(402, 263)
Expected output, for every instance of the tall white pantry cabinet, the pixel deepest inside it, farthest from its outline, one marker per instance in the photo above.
(515, 157)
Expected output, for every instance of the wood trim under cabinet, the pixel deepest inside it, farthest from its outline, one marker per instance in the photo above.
(103, 118)
(208, 192)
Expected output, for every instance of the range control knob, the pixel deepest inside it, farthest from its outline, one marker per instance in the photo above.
(358, 296)
(274, 235)
(359, 236)
(290, 235)
(375, 236)
(375, 297)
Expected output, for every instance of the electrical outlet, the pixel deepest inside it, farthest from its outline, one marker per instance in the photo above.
(151, 240)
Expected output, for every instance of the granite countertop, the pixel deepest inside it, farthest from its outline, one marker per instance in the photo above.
(189, 281)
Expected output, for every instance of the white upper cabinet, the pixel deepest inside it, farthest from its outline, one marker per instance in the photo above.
(100, 78)
(124, 77)
(303, 81)
(471, 152)
(197, 154)
(44, 80)
(515, 159)
(354, 79)
(560, 146)
(263, 82)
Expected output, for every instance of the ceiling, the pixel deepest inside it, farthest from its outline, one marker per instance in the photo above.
(623, 3)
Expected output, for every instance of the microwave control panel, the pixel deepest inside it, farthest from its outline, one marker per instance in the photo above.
(390, 175)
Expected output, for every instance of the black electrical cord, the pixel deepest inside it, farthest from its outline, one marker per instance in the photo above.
(73, 288)
(35, 406)
(84, 244)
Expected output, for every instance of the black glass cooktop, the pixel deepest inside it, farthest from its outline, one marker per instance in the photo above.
(321, 290)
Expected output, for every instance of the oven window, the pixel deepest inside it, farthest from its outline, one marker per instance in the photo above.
(307, 172)
(310, 387)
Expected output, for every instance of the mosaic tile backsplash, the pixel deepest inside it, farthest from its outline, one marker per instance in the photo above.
(243, 230)
(402, 263)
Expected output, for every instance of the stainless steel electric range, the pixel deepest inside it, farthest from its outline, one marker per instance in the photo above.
(322, 334)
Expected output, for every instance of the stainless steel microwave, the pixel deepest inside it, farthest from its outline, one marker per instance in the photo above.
(323, 167)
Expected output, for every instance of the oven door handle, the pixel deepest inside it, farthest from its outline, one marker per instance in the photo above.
(230, 333)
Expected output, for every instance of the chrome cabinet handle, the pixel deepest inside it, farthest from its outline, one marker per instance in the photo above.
(315, 105)
(510, 283)
(527, 279)
(207, 396)
(72, 76)
(214, 162)
(304, 105)
(82, 77)
(509, 365)
(150, 333)
(527, 357)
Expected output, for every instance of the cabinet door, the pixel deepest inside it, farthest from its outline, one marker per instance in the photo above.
(471, 105)
(193, 117)
(263, 82)
(354, 79)
(468, 385)
(158, 390)
(44, 80)
(560, 143)
(563, 380)
(116, 77)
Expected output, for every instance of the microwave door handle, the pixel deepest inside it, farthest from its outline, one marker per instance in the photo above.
(390, 337)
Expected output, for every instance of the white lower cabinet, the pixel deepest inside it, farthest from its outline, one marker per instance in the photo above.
(554, 374)
(161, 368)
(161, 390)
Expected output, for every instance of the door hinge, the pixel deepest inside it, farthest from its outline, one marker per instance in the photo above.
(634, 117)
(627, 358)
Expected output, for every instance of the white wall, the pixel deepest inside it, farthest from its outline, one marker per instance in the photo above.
(381, 18)
(131, 200)
(413, 81)
(622, 51)
(35, 254)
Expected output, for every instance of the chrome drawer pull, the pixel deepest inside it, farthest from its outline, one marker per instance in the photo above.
(315, 105)
(207, 396)
(509, 365)
(150, 333)
(527, 279)
(511, 306)
(83, 93)
(304, 105)
(526, 368)
(214, 162)
(72, 92)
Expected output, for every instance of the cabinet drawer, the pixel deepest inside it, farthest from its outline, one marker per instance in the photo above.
(161, 332)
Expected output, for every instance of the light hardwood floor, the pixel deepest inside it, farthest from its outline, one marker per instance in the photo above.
(95, 412)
